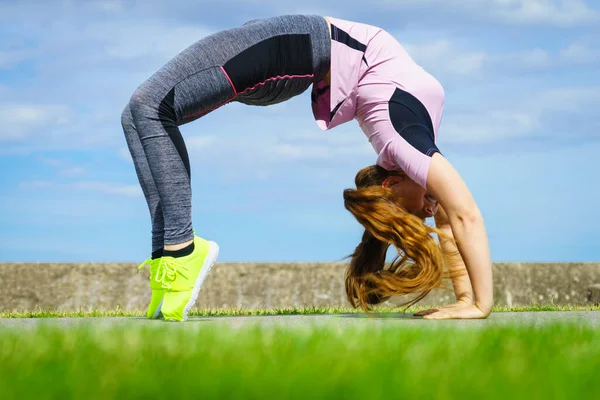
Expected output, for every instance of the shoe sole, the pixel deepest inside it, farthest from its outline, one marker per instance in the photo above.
(211, 258)
(157, 313)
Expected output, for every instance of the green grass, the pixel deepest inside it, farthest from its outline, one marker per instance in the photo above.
(221, 312)
(368, 362)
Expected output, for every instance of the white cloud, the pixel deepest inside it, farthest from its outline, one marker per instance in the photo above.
(488, 126)
(443, 56)
(19, 121)
(580, 52)
(450, 58)
(11, 58)
(545, 12)
(119, 189)
(530, 59)
(36, 185)
(552, 12)
(126, 40)
(199, 143)
(125, 155)
(98, 38)
(53, 162)
(109, 188)
(269, 149)
(568, 100)
(108, 6)
(526, 117)
(64, 165)
(524, 12)
(74, 171)
(262, 156)
(56, 127)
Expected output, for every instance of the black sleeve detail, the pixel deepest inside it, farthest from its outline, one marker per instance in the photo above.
(421, 138)
(412, 121)
(332, 114)
(340, 36)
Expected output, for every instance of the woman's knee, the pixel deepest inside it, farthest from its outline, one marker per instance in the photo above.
(149, 101)
(139, 99)
(126, 117)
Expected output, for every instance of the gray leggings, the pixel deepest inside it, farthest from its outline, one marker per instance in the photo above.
(262, 62)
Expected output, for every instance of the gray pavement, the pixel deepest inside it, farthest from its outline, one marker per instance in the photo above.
(589, 318)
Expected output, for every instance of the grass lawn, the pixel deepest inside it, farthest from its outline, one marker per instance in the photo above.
(222, 312)
(384, 361)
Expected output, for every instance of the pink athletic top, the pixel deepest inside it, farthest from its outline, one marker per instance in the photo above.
(396, 103)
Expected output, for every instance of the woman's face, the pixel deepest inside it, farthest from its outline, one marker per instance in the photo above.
(412, 197)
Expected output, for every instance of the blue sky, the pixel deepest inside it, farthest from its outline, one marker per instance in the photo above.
(521, 125)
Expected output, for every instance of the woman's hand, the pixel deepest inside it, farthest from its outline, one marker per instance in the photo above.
(472, 311)
(459, 304)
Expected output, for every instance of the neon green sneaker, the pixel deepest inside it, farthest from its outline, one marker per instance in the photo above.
(157, 290)
(182, 277)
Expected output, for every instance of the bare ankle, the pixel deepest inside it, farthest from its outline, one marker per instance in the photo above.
(179, 246)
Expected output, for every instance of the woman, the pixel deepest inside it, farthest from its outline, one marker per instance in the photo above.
(357, 72)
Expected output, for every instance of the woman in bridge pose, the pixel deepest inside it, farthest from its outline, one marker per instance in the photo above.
(357, 71)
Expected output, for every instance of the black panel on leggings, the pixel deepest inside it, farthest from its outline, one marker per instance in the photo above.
(412, 121)
(276, 56)
(166, 113)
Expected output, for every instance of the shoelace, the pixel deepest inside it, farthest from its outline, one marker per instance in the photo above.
(148, 262)
(167, 271)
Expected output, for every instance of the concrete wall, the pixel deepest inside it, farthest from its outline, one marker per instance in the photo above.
(25, 286)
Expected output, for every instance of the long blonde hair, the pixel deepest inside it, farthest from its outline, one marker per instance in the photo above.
(419, 266)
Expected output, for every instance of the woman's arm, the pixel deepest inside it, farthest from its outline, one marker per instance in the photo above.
(461, 282)
(467, 226)
(460, 277)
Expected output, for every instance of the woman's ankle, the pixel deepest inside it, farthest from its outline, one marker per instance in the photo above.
(179, 246)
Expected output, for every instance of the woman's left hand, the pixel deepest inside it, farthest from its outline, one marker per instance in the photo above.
(463, 301)
(461, 312)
